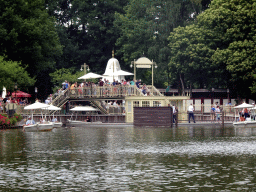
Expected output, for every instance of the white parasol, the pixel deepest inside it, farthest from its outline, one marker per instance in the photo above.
(84, 108)
(91, 76)
(244, 105)
(36, 105)
(4, 93)
(53, 108)
(118, 73)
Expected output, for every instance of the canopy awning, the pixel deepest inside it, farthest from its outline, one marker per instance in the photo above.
(117, 73)
(36, 105)
(84, 108)
(91, 76)
(20, 94)
(244, 105)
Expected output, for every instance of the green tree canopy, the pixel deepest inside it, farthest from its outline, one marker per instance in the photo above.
(86, 31)
(27, 34)
(11, 72)
(190, 52)
(146, 26)
(233, 23)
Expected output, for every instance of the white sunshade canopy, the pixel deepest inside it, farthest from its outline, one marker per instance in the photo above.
(4, 93)
(119, 72)
(52, 108)
(244, 105)
(91, 76)
(36, 105)
(83, 108)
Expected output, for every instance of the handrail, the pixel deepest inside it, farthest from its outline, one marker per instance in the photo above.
(104, 91)
(59, 96)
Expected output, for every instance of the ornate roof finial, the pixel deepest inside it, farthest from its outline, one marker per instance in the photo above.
(113, 54)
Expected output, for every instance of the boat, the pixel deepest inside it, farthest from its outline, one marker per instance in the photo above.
(75, 122)
(37, 126)
(46, 126)
(31, 127)
(56, 123)
(248, 122)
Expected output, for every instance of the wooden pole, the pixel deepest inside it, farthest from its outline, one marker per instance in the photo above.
(222, 114)
(177, 117)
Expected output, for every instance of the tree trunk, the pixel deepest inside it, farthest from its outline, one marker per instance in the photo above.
(182, 84)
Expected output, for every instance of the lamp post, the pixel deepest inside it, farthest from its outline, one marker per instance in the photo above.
(153, 64)
(36, 92)
(133, 63)
(86, 67)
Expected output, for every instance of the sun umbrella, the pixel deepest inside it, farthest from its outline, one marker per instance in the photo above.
(20, 94)
(244, 105)
(84, 108)
(36, 105)
(117, 73)
(53, 108)
(4, 92)
(91, 76)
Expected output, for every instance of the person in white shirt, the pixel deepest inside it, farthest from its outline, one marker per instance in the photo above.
(174, 114)
(191, 113)
(217, 111)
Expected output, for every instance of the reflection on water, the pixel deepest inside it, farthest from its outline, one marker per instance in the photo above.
(129, 159)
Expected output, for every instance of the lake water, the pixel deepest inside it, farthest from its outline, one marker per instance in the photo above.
(129, 159)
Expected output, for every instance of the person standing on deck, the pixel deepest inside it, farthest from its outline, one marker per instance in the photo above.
(191, 113)
(175, 111)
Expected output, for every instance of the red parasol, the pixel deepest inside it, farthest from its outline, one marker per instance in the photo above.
(20, 94)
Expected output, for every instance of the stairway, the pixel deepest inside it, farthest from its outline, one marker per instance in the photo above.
(99, 105)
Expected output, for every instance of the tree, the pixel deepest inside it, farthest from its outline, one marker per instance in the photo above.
(146, 26)
(233, 23)
(86, 31)
(27, 34)
(190, 53)
(11, 72)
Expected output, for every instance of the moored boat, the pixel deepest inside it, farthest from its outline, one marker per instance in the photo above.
(246, 122)
(71, 122)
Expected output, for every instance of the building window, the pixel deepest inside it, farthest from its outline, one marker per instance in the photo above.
(145, 103)
(156, 103)
(136, 103)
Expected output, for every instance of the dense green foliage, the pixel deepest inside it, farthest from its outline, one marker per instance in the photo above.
(146, 26)
(27, 35)
(190, 54)
(86, 31)
(218, 50)
(11, 72)
(234, 27)
(195, 43)
(6, 121)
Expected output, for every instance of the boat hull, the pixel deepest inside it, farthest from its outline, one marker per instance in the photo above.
(45, 126)
(57, 124)
(244, 124)
(30, 127)
(81, 123)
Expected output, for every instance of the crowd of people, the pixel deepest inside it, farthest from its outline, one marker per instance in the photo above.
(106, 87)
(7, 100)
(215, 112)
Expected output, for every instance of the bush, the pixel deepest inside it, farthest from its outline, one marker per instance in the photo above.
(5, 121)
(17, 116)
(13, 121)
